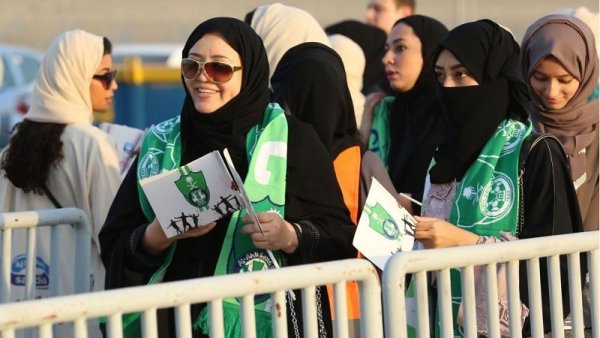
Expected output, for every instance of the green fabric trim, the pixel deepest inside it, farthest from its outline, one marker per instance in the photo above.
(379, 139)
(132, 326)
(232, 321)
(160, 152)
(489, 190)
(265, 185)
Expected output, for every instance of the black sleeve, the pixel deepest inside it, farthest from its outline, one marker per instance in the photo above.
(314, 200)
(550, 208)
(123, 257)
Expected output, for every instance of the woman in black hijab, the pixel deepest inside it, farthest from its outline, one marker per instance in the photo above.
(488, 176)
(406, 129)
(310, 83)
(225, 76)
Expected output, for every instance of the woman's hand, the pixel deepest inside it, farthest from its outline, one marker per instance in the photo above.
(278, 233)
(155, 241)
(367, 118)
(436, 233)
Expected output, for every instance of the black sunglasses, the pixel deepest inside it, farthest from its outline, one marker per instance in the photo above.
(217, 72)
(106, 79)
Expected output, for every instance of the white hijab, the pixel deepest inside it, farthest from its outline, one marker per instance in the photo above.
(282, 27)
(62, 89)
(354, 64)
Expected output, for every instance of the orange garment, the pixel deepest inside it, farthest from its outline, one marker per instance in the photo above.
(347, 170)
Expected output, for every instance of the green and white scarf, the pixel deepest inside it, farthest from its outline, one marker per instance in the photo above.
(266, 145)
(486, 200)
(379, 139)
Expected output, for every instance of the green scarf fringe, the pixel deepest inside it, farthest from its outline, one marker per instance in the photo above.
(232, 320)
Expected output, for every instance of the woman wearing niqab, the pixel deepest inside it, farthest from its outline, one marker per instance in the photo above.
(489, 182)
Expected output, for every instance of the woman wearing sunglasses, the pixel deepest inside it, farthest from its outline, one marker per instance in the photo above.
(56, 157)
(225, 74)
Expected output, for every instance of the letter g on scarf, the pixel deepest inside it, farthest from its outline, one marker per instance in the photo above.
(268, 149)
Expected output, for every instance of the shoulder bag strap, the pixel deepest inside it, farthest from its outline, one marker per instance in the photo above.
(51, 196)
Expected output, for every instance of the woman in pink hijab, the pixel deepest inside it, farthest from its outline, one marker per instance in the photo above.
(560, 61)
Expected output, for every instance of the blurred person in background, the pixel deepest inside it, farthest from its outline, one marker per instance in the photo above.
(560, 61)
(282, 27)
(592, 20)
(405, 129)
(372, 42)
(57, 158)
(354, 66)
(384, 13)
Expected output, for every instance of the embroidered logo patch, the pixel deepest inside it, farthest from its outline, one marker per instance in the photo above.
(164, 128)
(513, 132)
(255, 261)
(149, 164)
(497, 197)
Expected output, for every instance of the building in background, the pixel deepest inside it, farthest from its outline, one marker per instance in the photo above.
(34, 23)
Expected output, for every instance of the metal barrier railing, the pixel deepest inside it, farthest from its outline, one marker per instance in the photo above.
(112, 304)
(30, 221)
(78, 309)
(465, 258)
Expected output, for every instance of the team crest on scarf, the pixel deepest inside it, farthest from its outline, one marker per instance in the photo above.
(149, 164)
(497, 197)
(192, 185)
(513, 131)
(253, 259)
(163, 129)
(266, 204)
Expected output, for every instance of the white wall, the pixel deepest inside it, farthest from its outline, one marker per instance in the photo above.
(35, 23)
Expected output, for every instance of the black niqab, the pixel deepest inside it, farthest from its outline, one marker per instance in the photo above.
(491, 55)
(310, 83)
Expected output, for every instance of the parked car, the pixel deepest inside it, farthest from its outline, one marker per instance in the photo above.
(18, 70)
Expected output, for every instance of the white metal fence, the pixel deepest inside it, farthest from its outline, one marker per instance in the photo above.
(465, 258)
(43, 314)
(29, 221)
(179, 295)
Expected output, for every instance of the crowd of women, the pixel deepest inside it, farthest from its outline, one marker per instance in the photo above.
(499, 142)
